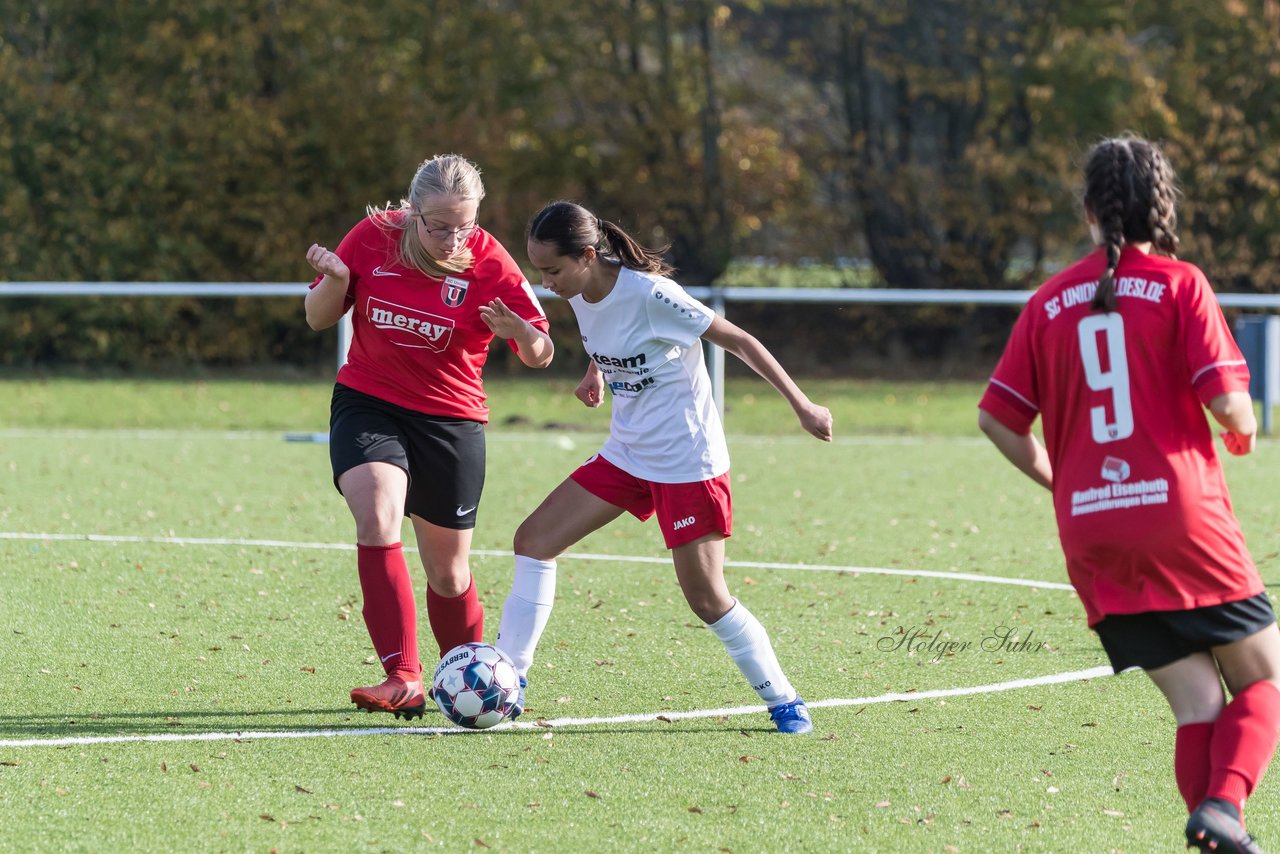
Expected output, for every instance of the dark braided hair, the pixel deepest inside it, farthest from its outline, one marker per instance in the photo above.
(571, 228)
(1130, 189)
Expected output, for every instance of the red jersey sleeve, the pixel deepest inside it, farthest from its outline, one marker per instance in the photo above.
(1011, 395)
(1213, 359)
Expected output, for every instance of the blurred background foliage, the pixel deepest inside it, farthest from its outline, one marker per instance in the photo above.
(846, 143)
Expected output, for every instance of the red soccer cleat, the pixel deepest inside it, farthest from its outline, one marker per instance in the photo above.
(1215, 826)
(397, 695)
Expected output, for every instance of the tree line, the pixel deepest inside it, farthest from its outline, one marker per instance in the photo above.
(940, 139)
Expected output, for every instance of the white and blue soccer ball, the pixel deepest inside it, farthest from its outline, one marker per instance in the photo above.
(476, 686)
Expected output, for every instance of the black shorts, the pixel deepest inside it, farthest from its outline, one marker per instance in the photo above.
(444, 457)
(1153, 639)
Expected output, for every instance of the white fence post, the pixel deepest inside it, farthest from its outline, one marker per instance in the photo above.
(344, 338)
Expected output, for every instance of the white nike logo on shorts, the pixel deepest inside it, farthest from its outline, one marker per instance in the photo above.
(462, 511)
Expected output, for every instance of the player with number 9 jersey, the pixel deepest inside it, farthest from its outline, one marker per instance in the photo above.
(1120, 355)
(1143, 510)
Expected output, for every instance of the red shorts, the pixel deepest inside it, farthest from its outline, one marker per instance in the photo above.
(686, 511)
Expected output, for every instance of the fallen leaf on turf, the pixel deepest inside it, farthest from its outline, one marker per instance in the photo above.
(307, 669)
(745, 759)
(696, 810)
(883, 804)
(591, 794)
(664, 719)
(195, 767)
(1115, 813)
(266, 816)
(9, 763)
(946, 778)
(302, 791)
(480, 842)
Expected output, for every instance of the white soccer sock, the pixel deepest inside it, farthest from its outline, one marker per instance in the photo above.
(527, 609)
(749, 647)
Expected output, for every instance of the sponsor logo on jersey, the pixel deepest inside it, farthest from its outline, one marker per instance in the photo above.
(619, 361)
(630, 388)
(409, 327)
(1118, 493)
(454, 291)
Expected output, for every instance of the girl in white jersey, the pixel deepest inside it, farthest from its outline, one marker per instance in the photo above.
(666, 450)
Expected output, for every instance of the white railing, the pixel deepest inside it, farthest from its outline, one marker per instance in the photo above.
(716, 298)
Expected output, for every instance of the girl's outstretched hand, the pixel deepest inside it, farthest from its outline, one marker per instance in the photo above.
(816, 420)
(501, 320)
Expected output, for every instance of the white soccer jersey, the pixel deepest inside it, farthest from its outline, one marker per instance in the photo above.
(645, 337)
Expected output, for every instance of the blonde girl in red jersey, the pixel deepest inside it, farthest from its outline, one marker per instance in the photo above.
(1119, 354)
(429, 290)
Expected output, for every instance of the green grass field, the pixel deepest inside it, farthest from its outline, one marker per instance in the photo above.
(182, 626)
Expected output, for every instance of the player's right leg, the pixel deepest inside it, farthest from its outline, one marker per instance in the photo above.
(567, 515)
(373, 492)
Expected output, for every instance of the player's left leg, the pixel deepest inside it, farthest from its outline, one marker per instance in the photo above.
(1193, 689)
(454, 609)
(700, 571)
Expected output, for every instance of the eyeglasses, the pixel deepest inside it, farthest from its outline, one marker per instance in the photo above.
(463, 232)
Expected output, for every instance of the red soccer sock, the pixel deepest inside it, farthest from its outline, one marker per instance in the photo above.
(390, 611)
(1191, 761)
(455, 620)
(1244, 738)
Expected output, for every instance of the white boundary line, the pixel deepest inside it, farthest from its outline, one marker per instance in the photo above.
(558, 437)
(555, 723)
(746, 564)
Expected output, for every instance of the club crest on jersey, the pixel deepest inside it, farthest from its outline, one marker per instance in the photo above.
(453, 291)
(410, 327)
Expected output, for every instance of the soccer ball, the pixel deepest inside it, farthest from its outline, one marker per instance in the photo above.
(476, 685)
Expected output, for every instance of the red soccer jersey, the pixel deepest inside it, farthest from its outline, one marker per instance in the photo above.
(418, 341)
(1143, 511)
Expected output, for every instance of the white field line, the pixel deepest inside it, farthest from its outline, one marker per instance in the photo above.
(556, 723)
(665, 561)
(566, 439)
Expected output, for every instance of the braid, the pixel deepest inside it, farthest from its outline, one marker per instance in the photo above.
(1109, 210)
(1163, 216)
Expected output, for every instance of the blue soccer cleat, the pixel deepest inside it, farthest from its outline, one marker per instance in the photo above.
(792, 718)
(518, 708)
